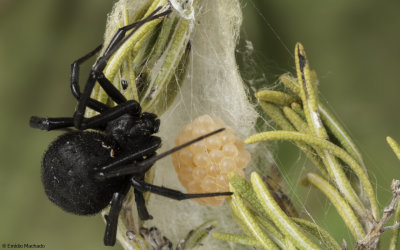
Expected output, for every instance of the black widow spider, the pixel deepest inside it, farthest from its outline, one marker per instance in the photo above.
(84, 171)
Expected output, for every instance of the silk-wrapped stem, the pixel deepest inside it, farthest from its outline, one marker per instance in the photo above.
(163, 70)
(134, 42)
(98, 93)
(325, 145)
(166, 33)
(154, 99)
(131, 46)
(127, 72)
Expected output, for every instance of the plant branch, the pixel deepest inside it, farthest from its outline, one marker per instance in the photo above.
(372, 238)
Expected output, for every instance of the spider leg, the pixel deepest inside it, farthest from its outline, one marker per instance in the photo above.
(108, 87)
(129, 107)
(121, 32)
(112, 217)
(83, 101)
(125, 162)
(74, 81)
(144, 165)
(116, 42)
(96, 73)
(171, 193)
(141, 206)
(119, 37)
(50, 123)
(97, 122)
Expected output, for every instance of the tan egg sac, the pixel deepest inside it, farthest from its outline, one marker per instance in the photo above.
(203, 167)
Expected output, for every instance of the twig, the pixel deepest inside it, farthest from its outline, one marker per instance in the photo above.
(372, 238)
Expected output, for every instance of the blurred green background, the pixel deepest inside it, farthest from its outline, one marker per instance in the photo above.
(353, 46)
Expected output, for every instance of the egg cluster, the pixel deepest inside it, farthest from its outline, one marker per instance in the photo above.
(203, 167)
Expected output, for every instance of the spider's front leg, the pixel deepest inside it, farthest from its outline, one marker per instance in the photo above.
(97, 122)
(74, 81)
(48, 124)
(96, 74)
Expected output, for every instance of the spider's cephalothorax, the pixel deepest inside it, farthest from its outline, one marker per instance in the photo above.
(84, 171)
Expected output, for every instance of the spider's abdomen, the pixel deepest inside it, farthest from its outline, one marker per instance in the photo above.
(68, 168)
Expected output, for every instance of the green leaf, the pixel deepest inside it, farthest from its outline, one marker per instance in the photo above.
(286, 225)
(240, 209)
(239, 239)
